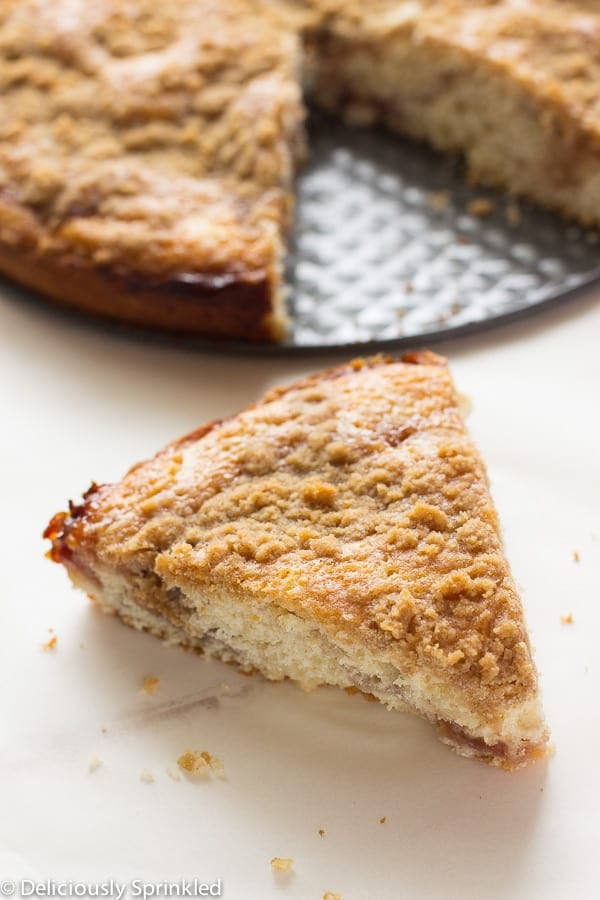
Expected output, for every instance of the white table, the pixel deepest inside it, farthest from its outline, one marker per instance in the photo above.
(79, 402)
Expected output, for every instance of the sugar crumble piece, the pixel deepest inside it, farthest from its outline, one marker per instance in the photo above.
(94, 764)
(321, 832)
(439, 200)
(383, 820)
(481, 207)
(329, 895)
(174, 776)
(567, 620)
(149, 685)
(576, 555)
(193, 763)
(104, 729)
(146, 776)
(50, 644)
(282, 863)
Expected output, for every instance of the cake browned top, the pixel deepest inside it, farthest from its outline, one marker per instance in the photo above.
(156, 138)
(355, 499)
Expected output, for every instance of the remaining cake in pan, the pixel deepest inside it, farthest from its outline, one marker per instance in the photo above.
(147, 150)
(340, 531)
(513, 86)
(146, 157)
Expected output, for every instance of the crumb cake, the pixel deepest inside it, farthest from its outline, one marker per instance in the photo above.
(146, 160)
(340, 531)
(512, 86)
(147, 150)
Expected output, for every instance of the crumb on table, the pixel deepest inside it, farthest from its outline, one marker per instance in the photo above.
(50, 644)
(201, 763)
(94, 764)
(567, 620)
(150, 685)
(383, 820)
(174, 776)
(193, 763)
(329, 895)
(576, 556)
(321, 832)
(146, 776)
(282, 863)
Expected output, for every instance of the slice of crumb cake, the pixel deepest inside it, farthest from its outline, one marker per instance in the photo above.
(341, 532)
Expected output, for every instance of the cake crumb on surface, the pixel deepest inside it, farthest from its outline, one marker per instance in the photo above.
(567, 620)
(94, 764)
(576, 555)
(149, 685)
(146, 776)
(329, 895)
(193, 763)
(282, 863)
(383, 820)
(481, 207)
(202, 763)
(214, 763)
(321, 832)
(50, 644)
(174, 776)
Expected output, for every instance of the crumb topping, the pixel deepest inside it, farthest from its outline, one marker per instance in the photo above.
(158, 138)
(50, 644)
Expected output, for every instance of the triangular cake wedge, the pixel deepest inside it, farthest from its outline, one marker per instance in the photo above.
(340, 531)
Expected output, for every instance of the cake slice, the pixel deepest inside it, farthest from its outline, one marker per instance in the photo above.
(147, 154)
(339, 532)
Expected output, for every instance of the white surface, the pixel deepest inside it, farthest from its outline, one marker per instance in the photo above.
(79, 403)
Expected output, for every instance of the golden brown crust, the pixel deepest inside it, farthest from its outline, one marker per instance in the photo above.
(354, 499)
